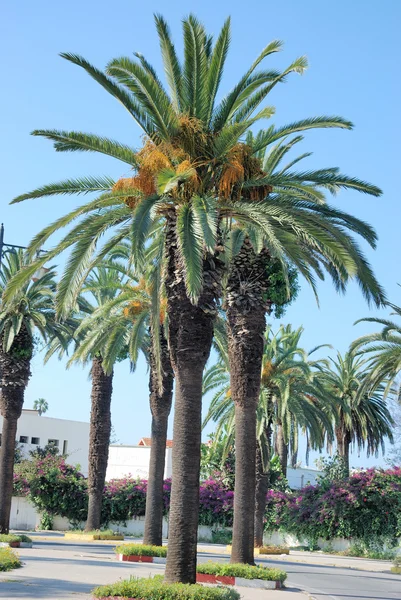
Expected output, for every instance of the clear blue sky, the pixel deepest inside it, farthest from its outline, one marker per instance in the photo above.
(354, 54)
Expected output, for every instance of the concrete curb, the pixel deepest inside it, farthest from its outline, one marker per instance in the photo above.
(142, 559)
(240, 581)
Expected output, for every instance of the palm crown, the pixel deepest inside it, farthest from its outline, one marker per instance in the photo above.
(31, 309)
(196, 167)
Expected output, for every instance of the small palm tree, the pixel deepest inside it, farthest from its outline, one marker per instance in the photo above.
(41, 405)
(28, 315)
(383, 351)
(194, 179)
(361, 415)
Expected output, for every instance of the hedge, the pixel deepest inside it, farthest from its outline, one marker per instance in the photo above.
(156, 589)
(141, 550)
(8, 560)
(241, 570)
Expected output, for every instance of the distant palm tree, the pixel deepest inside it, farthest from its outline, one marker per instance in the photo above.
(41, 406)
(361, 415)
(383, 351)
(30, 313)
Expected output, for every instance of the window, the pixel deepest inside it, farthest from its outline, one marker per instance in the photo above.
(35, 441)
(23, 439)
(65, 446)
(54, 442)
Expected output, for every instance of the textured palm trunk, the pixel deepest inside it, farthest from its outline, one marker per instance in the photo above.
(343, 444)
(160, 406)
(294, 459)
(281, 448)
(262, 487)
(190, 339)
(14, 375)
(246, 324)
(99, 440)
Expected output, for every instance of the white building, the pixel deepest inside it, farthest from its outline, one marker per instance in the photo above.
(134, 460)
(71, 437)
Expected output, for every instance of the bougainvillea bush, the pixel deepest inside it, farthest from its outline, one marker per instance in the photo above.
(366, 506)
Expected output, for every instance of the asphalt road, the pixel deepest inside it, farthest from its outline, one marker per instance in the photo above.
(321, 582)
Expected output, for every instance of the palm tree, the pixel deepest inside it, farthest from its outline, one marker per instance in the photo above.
(124, 322)
(286, 403)
(41, 406)
(195, 178)
(28, 315)
(361, 417)
(383, 351)
(103, 284)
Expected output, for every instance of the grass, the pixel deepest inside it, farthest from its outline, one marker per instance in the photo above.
(274, 550)
(141, 550)
(11, 537)
(156, 589)
(8, 560)
(244, 571)
(98, 534)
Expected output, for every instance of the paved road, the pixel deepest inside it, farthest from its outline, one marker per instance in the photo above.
(76, 568)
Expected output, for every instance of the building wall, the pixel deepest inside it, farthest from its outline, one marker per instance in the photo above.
(132, 460)
(72, 436)
(299, 478)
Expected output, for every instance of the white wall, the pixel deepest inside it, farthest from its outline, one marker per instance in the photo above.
(132, 460)
(74, 433)
(299, 478)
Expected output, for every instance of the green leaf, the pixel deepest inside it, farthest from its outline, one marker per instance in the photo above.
(84, 185)
(190, 246)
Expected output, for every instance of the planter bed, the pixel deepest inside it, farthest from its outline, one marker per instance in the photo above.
(15, 541)
(90, 537)
(141, 553)
(396, 570)
(241, 575)
(142, 559)
(273, 550)
(149, 589)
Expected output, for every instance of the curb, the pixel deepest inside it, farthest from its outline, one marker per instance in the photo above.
(240, 581)
(141, 559)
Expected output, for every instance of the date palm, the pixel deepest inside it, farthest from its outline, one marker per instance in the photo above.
(41, 405)
(361, 416)
(100, 287)
(28, 315)
(382, 350)
(130, 321)
(196, 177)
(286, 403)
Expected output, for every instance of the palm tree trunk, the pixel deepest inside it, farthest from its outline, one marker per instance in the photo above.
(262, 487)
(190, 340)
(6, 471)
(281, 448)
(160, 406)
(14, 375)
(99, 440)
(246, 325)
(343, 444)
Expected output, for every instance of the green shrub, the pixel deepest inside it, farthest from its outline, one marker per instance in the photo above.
(222, 536)
(11, 537)
(240, 570)
(141, 550)
(8, 560)
(156, 589)
(100, 534)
